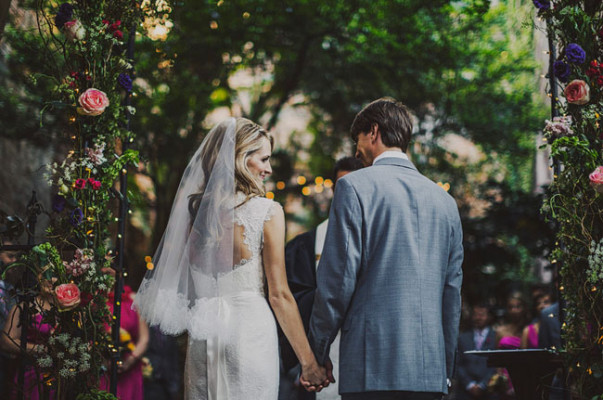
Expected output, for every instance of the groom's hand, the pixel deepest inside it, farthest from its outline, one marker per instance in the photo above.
(310, 387)
(329, 367)
(314, 377)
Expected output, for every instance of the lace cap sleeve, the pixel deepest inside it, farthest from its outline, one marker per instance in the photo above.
(273, 210)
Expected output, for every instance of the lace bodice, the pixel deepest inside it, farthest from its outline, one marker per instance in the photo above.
(248, 274)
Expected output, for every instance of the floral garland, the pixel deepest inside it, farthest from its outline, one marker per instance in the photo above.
(86, 52)
(575, 199)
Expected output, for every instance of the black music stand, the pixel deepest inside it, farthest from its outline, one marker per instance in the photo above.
(531, 370)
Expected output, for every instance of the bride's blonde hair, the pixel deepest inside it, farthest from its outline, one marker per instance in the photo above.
(248, 139)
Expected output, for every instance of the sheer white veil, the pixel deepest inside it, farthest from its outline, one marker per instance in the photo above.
(181, 292)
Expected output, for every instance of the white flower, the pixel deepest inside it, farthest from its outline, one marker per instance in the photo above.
(96, 155)
(74, 30)
(45, 362)
(560, 126)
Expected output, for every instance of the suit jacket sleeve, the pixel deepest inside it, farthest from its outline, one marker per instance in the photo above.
(337, 270)
(451, 301)
(463, 376)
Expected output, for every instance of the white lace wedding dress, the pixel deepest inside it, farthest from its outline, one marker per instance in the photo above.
(242, 363)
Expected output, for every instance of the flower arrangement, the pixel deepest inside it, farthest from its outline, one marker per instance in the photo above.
(92, 77)
(575, 198)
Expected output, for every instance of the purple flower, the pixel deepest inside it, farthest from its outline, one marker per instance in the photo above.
(58, 203)
(64, 14)
(125, 81)
(575, 54)
(542, 4)
(561, 70)
(76, 217)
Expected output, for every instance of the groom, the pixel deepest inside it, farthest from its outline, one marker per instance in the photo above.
(390, 275)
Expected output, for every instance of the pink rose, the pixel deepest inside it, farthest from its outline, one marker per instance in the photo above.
(74, 30)
(577, 92)
(596, 179)
(96, 185)
(93, 102)
(67, 295)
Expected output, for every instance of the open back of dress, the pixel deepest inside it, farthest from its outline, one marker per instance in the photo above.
(242, 361)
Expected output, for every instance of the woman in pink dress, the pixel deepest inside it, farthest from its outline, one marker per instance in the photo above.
(508, 335)
(135, 339)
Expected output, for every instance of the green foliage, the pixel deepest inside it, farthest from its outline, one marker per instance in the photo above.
(96, 395)
(51, 68)
(573, 202)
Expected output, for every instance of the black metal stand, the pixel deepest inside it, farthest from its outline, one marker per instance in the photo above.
(554, 92)
(120, 272)
(29, 282)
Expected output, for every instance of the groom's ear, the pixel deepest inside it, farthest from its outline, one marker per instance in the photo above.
(375, 132)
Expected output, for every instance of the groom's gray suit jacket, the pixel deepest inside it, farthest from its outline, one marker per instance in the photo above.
(390, 278)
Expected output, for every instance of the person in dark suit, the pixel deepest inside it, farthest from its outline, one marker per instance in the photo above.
(473, 372)
(302, 254)
(549, 335)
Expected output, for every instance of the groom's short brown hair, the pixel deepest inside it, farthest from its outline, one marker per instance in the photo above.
(392, 118)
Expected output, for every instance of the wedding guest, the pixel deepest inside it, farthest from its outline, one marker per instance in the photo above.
(134, 338)
(529, 337)
(165, 378)
(549, 337)
(302, 254)
(508, 334)
(473, 373)
(508, 337)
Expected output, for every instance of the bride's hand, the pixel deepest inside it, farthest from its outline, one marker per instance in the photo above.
(314, 377)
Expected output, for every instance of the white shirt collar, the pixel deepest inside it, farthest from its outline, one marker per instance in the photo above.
(321, 234)
(482, 332)
(390, 154)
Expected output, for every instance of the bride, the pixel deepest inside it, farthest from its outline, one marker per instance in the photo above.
(220, 258)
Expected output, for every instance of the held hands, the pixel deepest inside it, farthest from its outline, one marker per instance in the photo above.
(314, 377)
